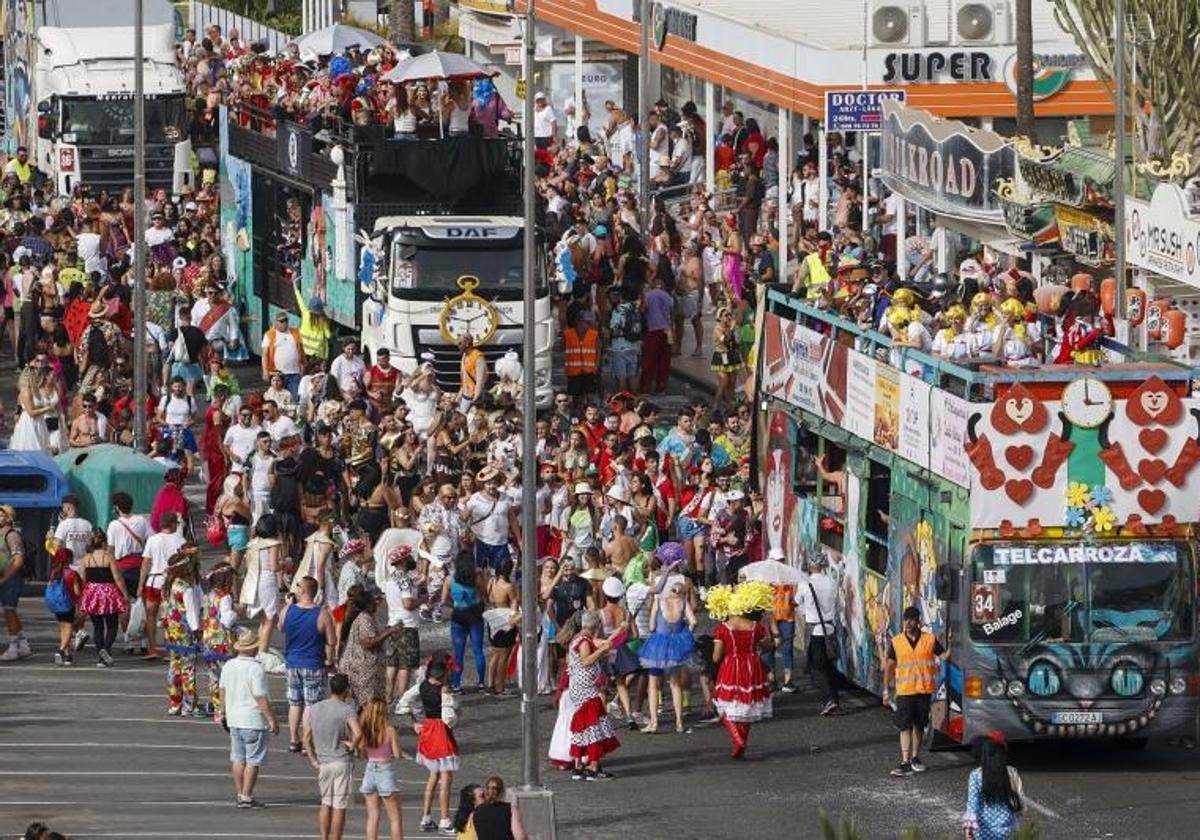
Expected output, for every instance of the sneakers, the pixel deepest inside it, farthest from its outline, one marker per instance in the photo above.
(916, 765)
(579, 774)
(427, 823)
(79, 639)
(200, 712)
(902, 769)
(174, 711)
(829, 708)
(59, 658)
(598, 775)
(106, 660)
(248, 802)
(18, 648)
(788, 688)
(445, 827)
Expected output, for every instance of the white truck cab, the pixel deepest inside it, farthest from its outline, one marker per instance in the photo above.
(431, 279)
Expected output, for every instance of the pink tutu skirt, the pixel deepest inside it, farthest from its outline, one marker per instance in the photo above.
(101, 599)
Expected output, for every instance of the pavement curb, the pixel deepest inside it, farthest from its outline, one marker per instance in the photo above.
(695, 380)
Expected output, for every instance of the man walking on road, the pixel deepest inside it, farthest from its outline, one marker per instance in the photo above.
(308, 635)
(331, 725)
(249, 716)
(913, 662)
(818, 599)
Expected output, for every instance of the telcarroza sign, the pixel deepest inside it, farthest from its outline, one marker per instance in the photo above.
(1162, 236)
(857, 110)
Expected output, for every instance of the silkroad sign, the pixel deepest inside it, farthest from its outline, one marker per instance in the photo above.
(857, 110)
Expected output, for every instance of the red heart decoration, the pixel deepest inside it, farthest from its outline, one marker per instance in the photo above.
(1152, 440)
(1019, 490)
(1152, 469)
(1151, 500)
(1019, 457)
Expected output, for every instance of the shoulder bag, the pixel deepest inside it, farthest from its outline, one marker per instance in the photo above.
(830, 632)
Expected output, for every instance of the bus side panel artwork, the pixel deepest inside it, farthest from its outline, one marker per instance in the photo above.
(780, 497)
(237, 230)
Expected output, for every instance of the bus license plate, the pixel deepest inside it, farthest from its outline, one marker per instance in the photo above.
(1077, 717)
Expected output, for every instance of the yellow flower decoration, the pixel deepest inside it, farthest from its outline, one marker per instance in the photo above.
(1103, 519)
(1078, 495)
(752, 596)
(717, 601)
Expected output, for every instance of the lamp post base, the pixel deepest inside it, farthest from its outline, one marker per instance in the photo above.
(536, 806)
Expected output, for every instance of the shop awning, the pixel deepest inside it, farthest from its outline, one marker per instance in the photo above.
(995, 237)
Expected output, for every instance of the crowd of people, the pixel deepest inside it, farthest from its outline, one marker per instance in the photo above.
(336, 485)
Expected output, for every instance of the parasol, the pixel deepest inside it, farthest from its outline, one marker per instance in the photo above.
(437, 65)
(337, 39)
(772, 571)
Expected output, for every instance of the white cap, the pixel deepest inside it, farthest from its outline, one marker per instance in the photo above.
(539, 95)
(734, 496)
(613, 588)
(583, 488)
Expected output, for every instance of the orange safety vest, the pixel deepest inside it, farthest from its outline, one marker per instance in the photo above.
(582, 353)
(470, 361)
(272, 334)
(785, 602)
(916, 666)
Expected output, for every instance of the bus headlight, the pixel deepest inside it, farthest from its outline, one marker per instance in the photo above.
(1178, 685)
(995, 688)
(1016, 688)
(1158, 687)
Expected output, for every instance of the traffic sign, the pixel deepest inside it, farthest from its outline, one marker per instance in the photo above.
(857, 110)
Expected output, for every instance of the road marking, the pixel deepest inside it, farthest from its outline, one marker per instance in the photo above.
(239, 834)
(122, 746)
(1040, 808)
(76, 694)
(186, 774)
(172, 721)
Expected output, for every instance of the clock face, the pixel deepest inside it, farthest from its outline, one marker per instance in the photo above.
(471, 316)
(1087, 402)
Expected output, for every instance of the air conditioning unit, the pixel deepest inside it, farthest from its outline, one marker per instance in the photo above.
(982, 22)
(897, 24)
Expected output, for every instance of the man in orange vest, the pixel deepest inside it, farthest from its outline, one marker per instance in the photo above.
(473, 373)
(283, 351)
(581, 344)
(914, 661)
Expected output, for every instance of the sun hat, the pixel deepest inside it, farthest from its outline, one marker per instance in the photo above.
(583, 489)
(352, 547)
(613, 587)
(247, 640)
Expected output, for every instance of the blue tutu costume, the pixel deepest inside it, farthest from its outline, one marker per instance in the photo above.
(669, 647)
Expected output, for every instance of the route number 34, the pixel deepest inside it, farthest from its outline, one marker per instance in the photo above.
(983, 602)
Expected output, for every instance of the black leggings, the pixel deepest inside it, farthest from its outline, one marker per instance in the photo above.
(105, 630)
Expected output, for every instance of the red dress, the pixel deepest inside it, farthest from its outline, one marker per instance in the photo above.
(215, 425)
(742, 692)
(592, 735)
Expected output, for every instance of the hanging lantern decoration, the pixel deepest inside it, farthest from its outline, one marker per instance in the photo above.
(1135, 306)
(1155, 313)
(1081, 282)
(1175, 328)
(1108, 295)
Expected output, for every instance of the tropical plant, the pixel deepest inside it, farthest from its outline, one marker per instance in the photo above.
(402, 22)
(845, 827)
(1162, 42)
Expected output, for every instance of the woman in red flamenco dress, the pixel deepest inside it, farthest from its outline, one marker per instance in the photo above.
(592, 735)
(742, 693)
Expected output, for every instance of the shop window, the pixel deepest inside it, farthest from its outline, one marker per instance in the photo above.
(876, 515)
(804, 471)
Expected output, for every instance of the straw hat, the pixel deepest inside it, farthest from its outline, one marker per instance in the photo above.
(583, 489)
(595, 574)
(247, 640)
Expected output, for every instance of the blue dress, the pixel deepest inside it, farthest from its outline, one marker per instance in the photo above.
(670, 646)
(991, 820)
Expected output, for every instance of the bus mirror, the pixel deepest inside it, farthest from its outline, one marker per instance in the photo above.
(946, 580)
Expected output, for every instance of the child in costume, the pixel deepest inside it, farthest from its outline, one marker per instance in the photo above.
(216, 631)
(437, 750)
(181, 626)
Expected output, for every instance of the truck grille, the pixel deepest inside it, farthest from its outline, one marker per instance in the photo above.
(112, 167)
(447, 359)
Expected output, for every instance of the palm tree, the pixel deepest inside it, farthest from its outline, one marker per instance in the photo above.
(1025, 124)
(402, 24)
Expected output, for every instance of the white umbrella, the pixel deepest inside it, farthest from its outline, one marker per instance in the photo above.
(337, 39)
(772, 571)
(437, 65)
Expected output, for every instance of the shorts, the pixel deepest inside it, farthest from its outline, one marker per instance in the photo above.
(238, 537)
(404, 649)
(186, 371)
(379, 778)
(687, 305)
(912, 710)
(624, 362)
(490, 556)
(10, 591)
(65, 618)
(504, 639)
(305, 686)
(687, 528)
(248, 746)
(152, 595)
(336, 783)
(583, 384)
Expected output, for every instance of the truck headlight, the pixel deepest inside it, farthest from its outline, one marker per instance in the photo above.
(541, 377)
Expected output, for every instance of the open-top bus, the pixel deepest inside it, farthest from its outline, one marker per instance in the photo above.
(1042, 519)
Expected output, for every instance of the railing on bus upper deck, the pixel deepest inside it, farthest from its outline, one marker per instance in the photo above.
(968, 380)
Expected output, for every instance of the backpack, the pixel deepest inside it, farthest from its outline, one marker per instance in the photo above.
(632, 328)
(57, 596)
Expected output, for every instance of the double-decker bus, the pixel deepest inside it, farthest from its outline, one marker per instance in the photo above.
(1042, 519)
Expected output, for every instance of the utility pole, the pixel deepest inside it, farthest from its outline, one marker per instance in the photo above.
(1025, 121)
(139, 232)
(643, 92)
(1119, 154)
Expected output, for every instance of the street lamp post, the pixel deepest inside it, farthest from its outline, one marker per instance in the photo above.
(139, 233)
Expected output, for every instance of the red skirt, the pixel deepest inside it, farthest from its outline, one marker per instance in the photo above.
(436, 748)
(743, 690)
(592, 735)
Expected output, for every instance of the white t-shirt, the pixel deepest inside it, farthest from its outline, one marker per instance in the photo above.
(891, 205)
(240, 439)
(396, 589)
(710, 259)
(260, 474)
(488, 518)
(281, 427)
(158, 236)
(123, 542)
(543, 122)
(179, 410)
(159, 549)
(346, 371)
(242, 680)
(421, 407)
(681, 156)
(74, 534)
(287, 354)
(87, 246)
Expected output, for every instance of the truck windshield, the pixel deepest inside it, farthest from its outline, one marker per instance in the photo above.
(1061, 591)
(440, 268)
(109, 122)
